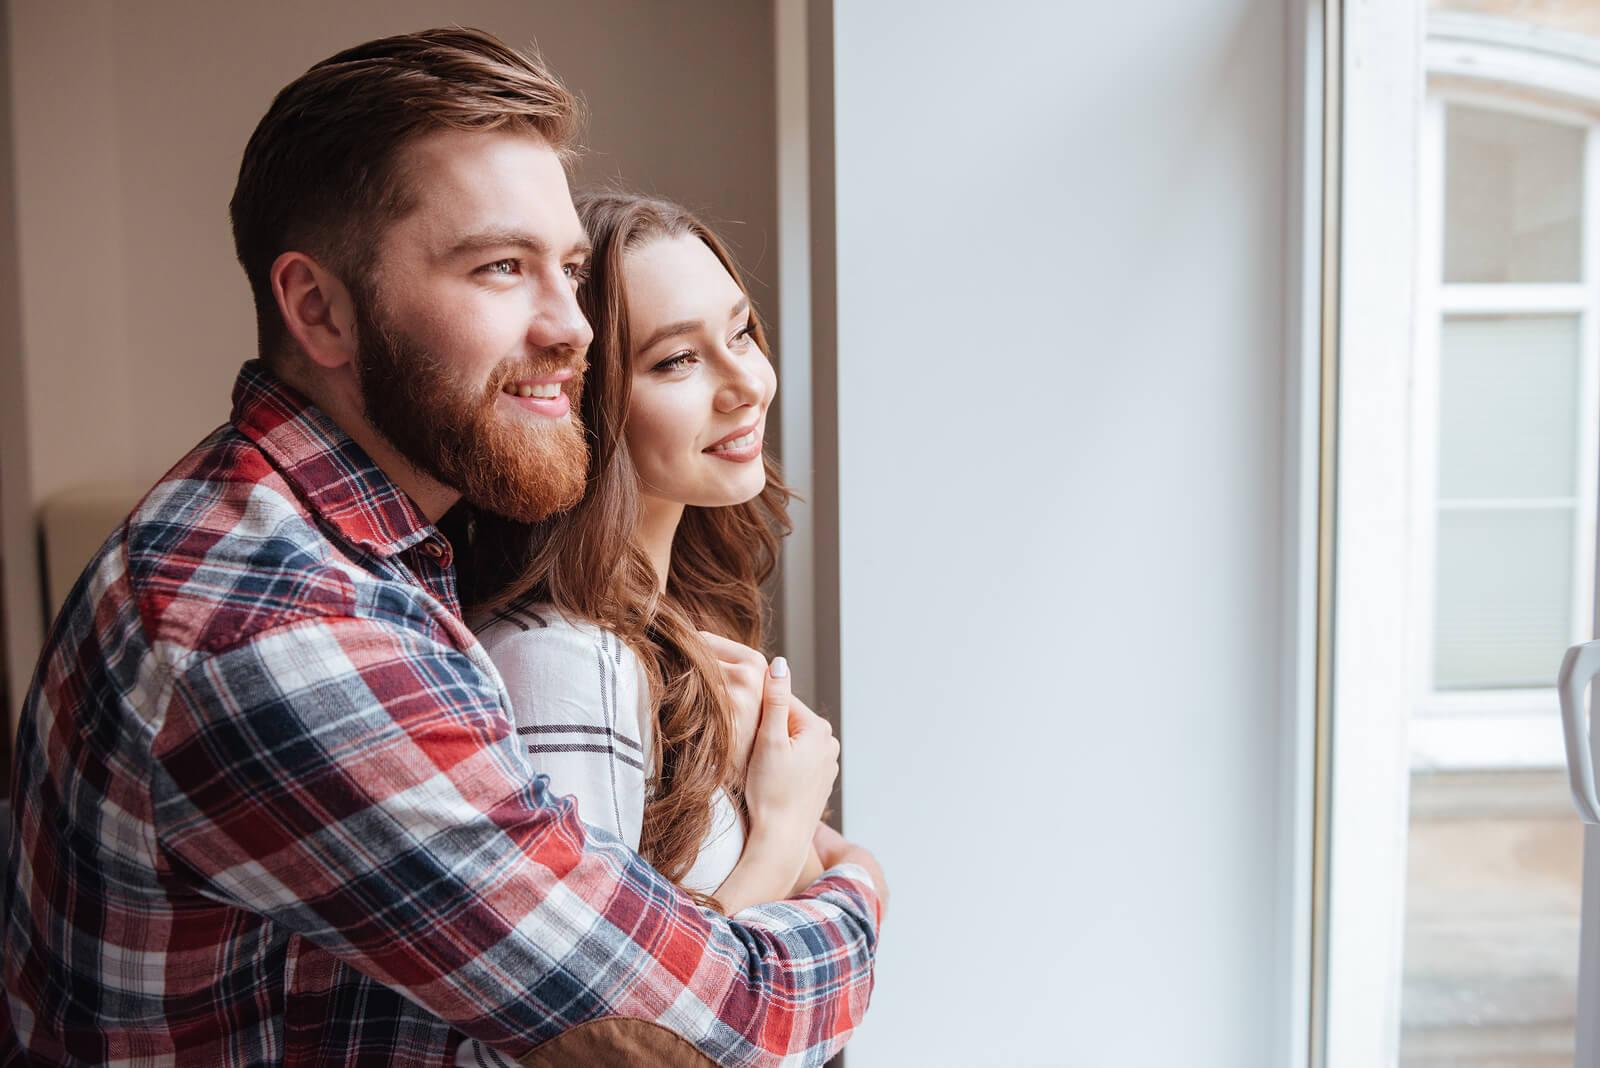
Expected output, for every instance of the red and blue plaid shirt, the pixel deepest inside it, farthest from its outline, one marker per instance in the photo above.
(269, 809)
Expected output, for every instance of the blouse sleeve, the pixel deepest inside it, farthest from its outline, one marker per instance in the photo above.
(578, 698)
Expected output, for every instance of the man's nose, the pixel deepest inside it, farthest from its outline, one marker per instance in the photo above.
(558, 322)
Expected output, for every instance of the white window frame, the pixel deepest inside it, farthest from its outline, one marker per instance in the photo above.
(1393, 53)
(1483, 63)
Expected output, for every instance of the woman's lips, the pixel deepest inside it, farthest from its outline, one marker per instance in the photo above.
(741, 446)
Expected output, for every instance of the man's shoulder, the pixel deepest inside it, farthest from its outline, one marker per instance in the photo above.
(222, 546)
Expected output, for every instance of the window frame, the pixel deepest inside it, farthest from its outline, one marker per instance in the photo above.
(1496, 728)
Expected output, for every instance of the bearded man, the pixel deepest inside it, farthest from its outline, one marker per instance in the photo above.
(269, 808)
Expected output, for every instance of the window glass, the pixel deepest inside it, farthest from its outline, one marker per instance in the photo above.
(1513, 198)
(1504, 597)
(1508, 407)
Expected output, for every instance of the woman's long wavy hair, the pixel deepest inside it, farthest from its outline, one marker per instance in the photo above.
(585, 563)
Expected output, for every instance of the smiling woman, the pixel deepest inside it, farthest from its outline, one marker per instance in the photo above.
(661, 746)
(701, 387)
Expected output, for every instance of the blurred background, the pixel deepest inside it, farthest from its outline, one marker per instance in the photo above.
(1197, 406)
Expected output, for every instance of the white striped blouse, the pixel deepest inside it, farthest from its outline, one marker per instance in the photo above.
(582, 708)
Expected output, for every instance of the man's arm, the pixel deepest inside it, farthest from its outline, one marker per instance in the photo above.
(358, 784)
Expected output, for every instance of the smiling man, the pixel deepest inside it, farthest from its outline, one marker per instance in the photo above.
(268, 804)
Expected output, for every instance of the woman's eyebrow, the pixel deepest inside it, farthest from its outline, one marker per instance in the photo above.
(689, 326)
(684, 326)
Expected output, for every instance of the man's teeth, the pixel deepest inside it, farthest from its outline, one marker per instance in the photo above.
(737, 443)
(546, 391)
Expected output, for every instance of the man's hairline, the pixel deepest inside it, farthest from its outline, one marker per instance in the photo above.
(401, 171)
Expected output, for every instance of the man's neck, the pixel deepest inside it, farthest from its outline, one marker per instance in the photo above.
(338, 397)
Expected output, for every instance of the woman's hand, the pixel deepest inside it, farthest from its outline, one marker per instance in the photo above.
(794, 760)
(793, 764)
(744, 676)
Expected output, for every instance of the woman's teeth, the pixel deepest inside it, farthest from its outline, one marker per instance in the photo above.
(546, 391)
(736, 444)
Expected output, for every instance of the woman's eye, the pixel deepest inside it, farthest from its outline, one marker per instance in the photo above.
(745, 333)
(676, 362)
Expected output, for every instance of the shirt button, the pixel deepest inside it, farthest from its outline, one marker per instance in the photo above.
(433, 549)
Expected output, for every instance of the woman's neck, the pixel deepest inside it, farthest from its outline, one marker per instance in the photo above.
(658, 525)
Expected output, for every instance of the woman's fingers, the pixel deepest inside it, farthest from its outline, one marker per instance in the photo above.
(729, 651)
(801, 718)
(775, 702)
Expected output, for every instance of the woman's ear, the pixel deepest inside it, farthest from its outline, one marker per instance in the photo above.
(317, 309)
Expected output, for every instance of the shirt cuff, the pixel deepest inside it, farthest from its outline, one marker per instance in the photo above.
(849, 877)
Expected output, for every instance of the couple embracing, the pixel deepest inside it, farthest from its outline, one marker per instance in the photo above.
(416, 716)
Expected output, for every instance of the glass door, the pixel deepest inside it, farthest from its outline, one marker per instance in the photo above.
(1468, 430)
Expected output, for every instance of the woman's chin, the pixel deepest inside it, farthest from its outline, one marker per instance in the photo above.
(729, 495)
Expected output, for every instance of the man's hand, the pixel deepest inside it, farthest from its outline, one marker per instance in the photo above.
(832, 848)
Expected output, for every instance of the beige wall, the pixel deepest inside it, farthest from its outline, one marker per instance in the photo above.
(129, 121)
(135, 314)
(19, 600)
(1575, 16)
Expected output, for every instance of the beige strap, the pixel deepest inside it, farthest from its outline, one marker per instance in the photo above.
(617, 1042)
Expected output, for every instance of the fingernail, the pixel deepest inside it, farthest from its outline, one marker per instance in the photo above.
(780, 668)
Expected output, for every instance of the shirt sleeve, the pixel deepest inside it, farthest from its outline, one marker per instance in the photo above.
(359, 785)
(580, 716)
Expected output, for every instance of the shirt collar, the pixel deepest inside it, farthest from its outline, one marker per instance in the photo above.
(332, 474)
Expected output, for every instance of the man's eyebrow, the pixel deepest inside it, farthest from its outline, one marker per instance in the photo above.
(689, 326)
(481, 240)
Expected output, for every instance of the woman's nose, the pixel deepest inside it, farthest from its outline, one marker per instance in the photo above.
(742, 384)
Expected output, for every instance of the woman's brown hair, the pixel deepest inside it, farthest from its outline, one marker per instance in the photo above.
(585, 563)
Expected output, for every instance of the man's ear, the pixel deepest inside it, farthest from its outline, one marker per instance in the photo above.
(317, 309)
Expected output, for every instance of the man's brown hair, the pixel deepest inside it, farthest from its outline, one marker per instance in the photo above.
(321, 173)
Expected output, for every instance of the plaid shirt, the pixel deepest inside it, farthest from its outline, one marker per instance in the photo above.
(269, 809)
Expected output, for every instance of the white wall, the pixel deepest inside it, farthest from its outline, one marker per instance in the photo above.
(1061, 366)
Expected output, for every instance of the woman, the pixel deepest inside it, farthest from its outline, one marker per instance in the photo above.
(632, 668)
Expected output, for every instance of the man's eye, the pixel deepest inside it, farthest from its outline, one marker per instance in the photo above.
(578, 272)
(501, 267)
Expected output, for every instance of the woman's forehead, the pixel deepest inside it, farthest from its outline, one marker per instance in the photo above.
(673, 279)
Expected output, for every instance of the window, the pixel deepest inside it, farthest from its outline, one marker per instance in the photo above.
(1505, 427)
(1467, 342)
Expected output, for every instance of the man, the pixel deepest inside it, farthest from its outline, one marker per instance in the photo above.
(268, 805)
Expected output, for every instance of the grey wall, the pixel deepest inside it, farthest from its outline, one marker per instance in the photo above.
(1060, 377)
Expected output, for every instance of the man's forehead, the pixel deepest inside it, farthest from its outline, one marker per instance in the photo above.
(465, 183)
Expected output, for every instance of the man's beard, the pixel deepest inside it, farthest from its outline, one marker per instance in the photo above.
(517, 468)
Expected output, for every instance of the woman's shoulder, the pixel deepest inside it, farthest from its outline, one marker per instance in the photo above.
(547, 659)
(538, 625)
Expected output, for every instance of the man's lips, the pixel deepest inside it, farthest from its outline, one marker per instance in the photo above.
(541, 394)
(526, 382)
